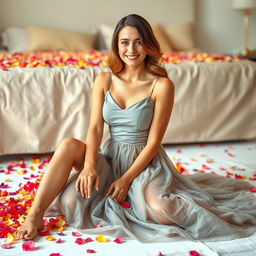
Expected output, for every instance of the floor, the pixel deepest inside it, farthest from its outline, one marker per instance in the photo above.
(230, 159)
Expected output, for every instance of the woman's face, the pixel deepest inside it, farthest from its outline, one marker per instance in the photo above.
(130, 46)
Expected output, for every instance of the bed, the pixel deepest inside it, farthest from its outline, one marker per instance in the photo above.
(46, 96)
(47, 73)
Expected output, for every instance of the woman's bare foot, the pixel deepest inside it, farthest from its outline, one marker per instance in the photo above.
(32, 224)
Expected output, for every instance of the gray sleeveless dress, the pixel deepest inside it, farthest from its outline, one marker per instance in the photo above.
(201, 206)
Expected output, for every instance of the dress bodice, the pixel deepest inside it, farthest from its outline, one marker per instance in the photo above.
(129, 125)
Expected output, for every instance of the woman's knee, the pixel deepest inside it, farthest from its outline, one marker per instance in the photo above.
(71, 144)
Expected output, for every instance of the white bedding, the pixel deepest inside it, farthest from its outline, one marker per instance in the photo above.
(41, 106)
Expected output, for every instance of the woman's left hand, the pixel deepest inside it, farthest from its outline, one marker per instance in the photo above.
(120, 189)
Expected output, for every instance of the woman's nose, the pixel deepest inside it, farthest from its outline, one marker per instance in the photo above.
(131, 47)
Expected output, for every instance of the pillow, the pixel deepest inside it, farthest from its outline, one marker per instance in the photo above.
(181, 36)
(45, 39)
(106, 33)
(162, 38)
(15, 39)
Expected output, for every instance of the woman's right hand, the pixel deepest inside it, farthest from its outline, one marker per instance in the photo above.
(86, 179)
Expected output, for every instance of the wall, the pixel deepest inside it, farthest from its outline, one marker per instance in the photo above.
(86, 14)
(219, 28)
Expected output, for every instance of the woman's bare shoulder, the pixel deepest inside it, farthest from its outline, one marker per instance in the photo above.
(164, 85)
(102, 80)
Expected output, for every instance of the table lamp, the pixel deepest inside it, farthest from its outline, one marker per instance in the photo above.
(245, 6)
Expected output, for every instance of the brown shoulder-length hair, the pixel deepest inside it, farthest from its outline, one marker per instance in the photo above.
(153, 59)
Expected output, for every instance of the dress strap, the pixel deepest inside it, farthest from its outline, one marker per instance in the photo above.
(154, 85)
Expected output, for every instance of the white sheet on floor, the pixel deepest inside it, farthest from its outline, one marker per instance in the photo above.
(237, 158)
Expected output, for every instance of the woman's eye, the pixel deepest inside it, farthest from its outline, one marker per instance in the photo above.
(124, 43)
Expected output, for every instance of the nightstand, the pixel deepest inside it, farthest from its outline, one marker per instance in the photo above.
(250, 57)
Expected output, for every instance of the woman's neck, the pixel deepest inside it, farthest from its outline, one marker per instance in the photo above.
(132, 74)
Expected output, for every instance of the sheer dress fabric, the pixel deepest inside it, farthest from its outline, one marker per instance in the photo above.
(200, 206)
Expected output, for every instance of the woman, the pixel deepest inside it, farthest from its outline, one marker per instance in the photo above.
(136, 101)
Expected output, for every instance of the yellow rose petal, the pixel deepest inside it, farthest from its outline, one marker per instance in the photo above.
(101, 239)
(9, 239)
(50, 238)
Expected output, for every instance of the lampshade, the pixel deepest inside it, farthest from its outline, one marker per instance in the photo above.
(243, 4)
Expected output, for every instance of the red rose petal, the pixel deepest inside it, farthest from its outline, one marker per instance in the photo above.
(194, 253)
(125, 205)
(90, 251)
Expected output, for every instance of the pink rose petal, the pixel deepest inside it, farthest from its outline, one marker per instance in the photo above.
(88, 240)
(59, 241)
(75, 233)
(55, 254)
(97, 225)
(80, 241)
(172, 234)
(7, 246)
(119, 240)
(28, 246)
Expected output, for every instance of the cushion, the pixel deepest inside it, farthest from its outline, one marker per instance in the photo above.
(181, 36)
(44, 39)
(106, 33)
(15, 39)
(162, 38)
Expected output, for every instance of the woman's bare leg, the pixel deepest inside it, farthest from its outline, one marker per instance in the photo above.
(70, 153)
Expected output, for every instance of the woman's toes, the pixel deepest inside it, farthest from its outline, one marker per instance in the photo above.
(29, 236)
(21, 234)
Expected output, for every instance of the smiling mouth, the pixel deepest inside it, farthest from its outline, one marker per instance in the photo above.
(131, 57)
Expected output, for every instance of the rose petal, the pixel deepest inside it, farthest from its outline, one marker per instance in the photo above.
(75, 233)
(125, 205)
(253, 190)
(119, 240)
(44, 233)
(90, 251)
(193, 253)
(88, 240)
(50, 238)
(7, 246)
(172, 234)
(61, 234)
(101, 239)
(59, 241)
(55, 254)
(28, 246)
(80, 241)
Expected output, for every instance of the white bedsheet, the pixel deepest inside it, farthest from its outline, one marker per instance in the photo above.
(41, 106)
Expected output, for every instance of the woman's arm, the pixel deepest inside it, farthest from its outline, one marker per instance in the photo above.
(163, 97)
(89, 174)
